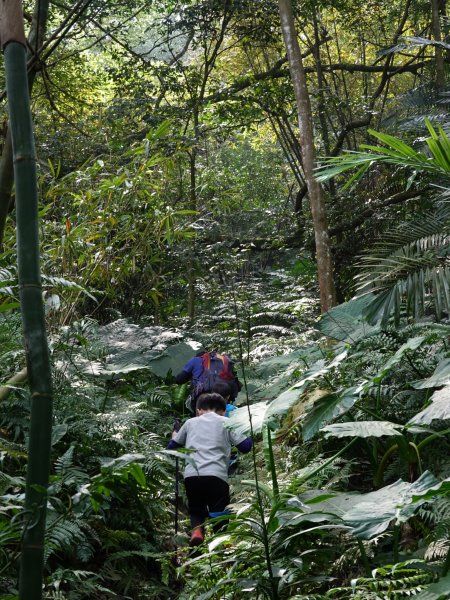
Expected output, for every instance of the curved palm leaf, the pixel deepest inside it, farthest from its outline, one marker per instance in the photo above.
(410, 110)
(413, 261)
(434, 160)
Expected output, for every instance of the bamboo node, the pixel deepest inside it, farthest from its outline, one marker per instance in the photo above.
(23, 157)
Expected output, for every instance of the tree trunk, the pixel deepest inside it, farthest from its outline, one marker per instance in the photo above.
(32, 308)
(6, 183)
(438, 52)
(315, 191)
(191, 272)
(35, 39)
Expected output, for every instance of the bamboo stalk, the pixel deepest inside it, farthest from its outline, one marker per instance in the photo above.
(32, 308)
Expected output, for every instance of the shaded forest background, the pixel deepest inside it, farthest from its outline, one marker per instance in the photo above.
(176, 211)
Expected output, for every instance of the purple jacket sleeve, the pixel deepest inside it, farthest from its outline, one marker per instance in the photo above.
(245, 446)
(172, 445)
(183, 377)
(188, 371)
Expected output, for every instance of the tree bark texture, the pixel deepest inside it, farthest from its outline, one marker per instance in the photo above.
(439, 52)
(35, 39)
(31, 301)
(315, 190)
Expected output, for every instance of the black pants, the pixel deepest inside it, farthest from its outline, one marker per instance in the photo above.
(205, 494)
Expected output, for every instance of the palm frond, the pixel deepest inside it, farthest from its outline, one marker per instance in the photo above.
(434, 160)
(409, 111)
(411, 262)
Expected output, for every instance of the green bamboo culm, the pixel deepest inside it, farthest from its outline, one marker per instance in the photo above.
(13, 43)
(270, 461)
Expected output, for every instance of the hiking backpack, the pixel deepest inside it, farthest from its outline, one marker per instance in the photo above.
(215, 366)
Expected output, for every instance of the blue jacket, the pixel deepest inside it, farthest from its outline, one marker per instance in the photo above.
(193, 372)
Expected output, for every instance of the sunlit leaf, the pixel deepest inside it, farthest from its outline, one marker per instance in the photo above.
(372, 513)
(362, 429)
(438, 409)
(441, 376)
(346, 321)
(173, 358)
(268, 413)
(328, 408)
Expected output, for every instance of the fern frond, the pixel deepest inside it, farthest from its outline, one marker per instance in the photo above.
(66, 535)
(12, 449)
(437, 550)
(64, 462)
(7, 481)
(270, 330)
(132, 554)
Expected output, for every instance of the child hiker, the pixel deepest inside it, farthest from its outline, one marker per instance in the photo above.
(206, 483)
(224, 389)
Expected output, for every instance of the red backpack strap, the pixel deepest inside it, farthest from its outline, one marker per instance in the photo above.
(226, 370)
(225, 361)
(206, 360)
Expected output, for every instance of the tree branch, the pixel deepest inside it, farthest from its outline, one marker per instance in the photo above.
(368, 212)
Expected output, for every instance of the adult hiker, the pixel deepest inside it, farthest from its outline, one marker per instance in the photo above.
(206, 481)
(204, 370)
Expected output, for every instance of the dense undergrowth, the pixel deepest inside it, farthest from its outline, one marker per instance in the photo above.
(345, 496)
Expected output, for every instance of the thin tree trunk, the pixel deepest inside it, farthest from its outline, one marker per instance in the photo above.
(32, 308)
(321, 106)
(315, 191)
(6, 183)
(438, 52)
(35, 40)
(191, 274)
(321, 103)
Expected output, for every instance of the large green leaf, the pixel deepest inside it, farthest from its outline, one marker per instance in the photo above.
(328, 408)
(59, 430)
(411, 344)
(439, 409)
(172, 359)
(372, 513)
(113, 370)
(346, 321)
(284, 401)
(123, 460)
(126, 359)
(239, 419)
(267, 379)
(5, 306)
(272, 365)
(318, 506)
(268, 413)
(441, 376)
(440, 590)
(362, 429)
